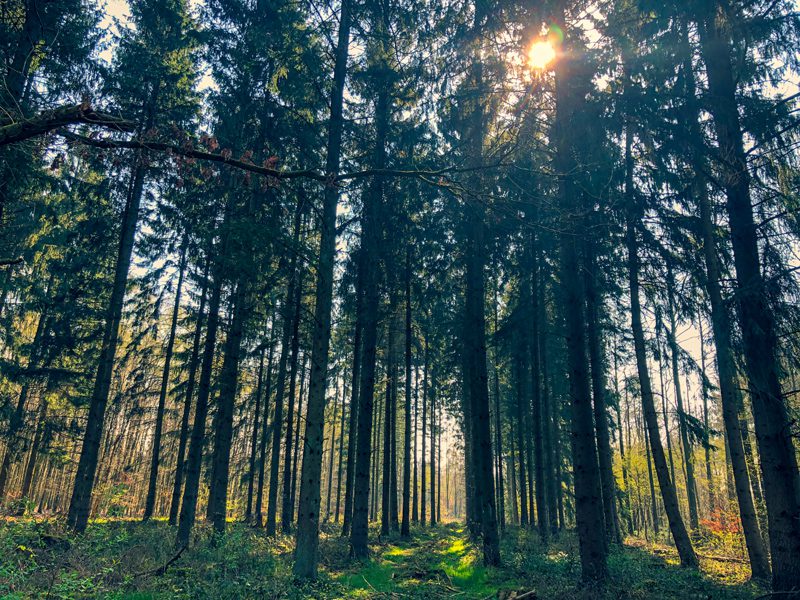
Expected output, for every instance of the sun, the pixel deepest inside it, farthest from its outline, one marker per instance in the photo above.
(541, 54)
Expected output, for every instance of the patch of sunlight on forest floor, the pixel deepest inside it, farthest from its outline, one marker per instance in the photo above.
(120, 560)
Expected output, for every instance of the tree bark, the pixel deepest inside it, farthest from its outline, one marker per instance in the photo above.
(670, 497)
(81, 501)
(180, 468)
(405, 527)
(305, 565)
(251, 476)
(599, 394)
(195, 457)
(588, 496)
(688, 459)
(152, 487)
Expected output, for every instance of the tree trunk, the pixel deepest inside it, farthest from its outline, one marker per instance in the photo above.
(81, 501)
(352, 434)
(339, 461)
(305, 565)
(588, 496)
(287, 508)
(180, 468)
(670, 497)
(424, 423)
(687, 447)
(262, 452)
(405, 528)
(228, 383)
(251, 476)
(195, 456)
(369, 279)
(332, 449)
(162, 395)
(17, 420)
(599, 394)
(729, 393)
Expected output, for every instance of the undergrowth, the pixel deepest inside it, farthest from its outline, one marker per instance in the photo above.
(121, 560)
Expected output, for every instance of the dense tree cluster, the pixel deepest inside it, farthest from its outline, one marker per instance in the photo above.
(522, 263)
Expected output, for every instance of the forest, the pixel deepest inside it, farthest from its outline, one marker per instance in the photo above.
(400, 299)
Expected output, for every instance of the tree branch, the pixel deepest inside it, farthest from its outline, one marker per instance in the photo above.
(11, 133)
(313, 174)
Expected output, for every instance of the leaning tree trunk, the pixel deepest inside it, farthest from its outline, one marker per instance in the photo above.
(773, 427)
(670, 497)
(305, 565)
(81, 501)
(152, 486)
(688, 459)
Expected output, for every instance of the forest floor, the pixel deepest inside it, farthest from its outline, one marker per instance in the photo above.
(125, 559)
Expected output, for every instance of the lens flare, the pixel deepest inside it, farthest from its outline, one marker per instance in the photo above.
(541, 54)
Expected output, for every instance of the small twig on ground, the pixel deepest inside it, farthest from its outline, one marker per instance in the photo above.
(158, 572)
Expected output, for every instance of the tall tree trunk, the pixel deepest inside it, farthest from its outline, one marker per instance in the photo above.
(415, 489)
(228, 383)
(498, 433)
(424, 423)
(295, 473)
(773, 429)
(688, 459)
(369, 301)
(17, 420)
(599, 394)
(386, 488)
(81, 501)
(712, 496)
(287, 508)
(433, 393)
(280, 385)
(339, 461)
(523, 483)
(305, 565)
(352, 433)
(152, 486)
(262, 452)
(405, 528)
(670, 497)
(726, 369)
(195, 457)
(180, 468)
(476, 377)
(251, 476)
(588, 496)
(332, 449)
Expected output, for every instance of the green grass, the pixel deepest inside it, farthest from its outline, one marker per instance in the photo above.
(116, 559)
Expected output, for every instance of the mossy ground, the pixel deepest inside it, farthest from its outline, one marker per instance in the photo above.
(117, 559)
